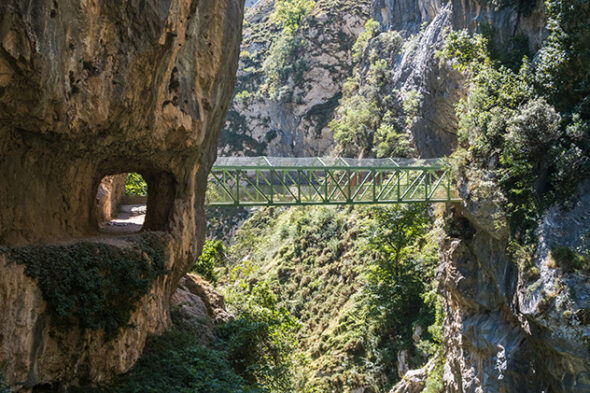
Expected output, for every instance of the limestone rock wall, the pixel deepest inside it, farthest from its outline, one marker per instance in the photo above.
(504, 332)
(108, 196)
(96, 88)
(294, 123)
(106, 88)
(422, 24)
(200, 308)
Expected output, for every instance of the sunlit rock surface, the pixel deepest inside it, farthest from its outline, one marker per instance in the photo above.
(505, 331)
(96, 88)
(295, 122)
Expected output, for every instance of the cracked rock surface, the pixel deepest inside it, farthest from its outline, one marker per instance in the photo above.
(90, 89)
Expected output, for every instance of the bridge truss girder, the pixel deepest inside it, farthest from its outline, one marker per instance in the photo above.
(328, 185)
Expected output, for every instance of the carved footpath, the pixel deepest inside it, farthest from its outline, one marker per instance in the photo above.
(94, 89)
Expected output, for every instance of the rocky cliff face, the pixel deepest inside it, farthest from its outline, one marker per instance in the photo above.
(506, 329)
(416, 70)
(293, 121)
(509, 330)
(200, 308)
(92, 90)
(110, 191)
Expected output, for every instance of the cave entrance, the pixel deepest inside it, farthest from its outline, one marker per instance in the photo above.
(122, 201)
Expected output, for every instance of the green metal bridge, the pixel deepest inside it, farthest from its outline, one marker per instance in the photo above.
(281, 181)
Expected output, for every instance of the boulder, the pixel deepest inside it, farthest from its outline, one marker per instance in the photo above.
(199, 307)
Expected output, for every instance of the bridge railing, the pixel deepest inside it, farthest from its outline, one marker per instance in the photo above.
(272, 181)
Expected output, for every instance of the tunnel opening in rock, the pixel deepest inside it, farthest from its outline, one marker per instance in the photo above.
(122, 201)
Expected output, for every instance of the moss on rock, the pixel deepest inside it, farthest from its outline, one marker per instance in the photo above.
(91, 284)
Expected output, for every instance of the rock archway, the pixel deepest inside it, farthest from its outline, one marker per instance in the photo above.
(92, 89)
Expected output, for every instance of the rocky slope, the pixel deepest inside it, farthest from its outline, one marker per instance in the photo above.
(292, 120)
(320, 264)
(292, 117)
(199, 307)
(418, 94)
(85, 92)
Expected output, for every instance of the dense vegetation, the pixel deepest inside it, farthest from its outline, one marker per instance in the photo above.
(369, 120)
(93, 285)
(329, 269)
(213, 255)
(252, 353)
(262, 340)
(135, 185)
(529, 122)
(281, 65)
(176, 362)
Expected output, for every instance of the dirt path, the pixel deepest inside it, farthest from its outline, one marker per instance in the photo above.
(130, 219)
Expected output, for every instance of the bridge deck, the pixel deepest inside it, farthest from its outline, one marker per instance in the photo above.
(285, 181)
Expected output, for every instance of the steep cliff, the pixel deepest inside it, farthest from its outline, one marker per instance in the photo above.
(89, 90)
(508, 329)
(401, 92)
(287, 89)
(516, 259)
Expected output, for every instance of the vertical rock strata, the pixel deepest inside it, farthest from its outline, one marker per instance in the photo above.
(423, 25)
(90, 89)
(504, 332)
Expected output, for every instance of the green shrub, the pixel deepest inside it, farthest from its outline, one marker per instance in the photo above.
(361, 111)
(243, 96)
(569, 260)
(562, 70)
(390, 143)
(135, 185)
(368, 119)
(176, 362)
(213, 256)
(261, 341)
(510, 128)
(372, 27)
(465, 52)
(93, 285)
(434, 380)
(523, 257)
(398, 277)
(289, 13)
(353, 129)
(281, 62)
(411, 105)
